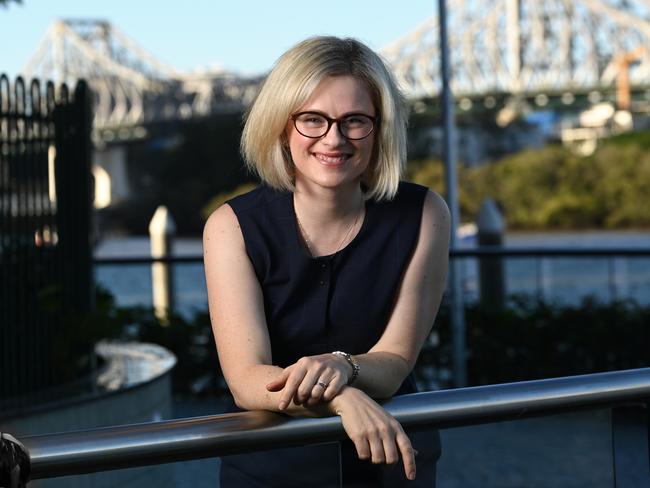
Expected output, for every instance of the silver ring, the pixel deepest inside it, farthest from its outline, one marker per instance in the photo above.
(322, 384)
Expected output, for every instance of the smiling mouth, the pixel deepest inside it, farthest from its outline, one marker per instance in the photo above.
(332, 159)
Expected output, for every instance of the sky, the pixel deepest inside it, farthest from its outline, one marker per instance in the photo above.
(243, 36)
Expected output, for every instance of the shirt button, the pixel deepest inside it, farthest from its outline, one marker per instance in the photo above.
(323, 265)
(322, 283)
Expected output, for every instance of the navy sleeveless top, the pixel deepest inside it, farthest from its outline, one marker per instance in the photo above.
(319, 305)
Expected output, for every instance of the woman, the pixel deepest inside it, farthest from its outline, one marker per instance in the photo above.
(324, 282)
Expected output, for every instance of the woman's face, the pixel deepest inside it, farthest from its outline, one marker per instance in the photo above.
(332, 161)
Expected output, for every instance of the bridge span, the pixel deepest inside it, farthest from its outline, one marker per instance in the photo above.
(508, 57)
(504, 52)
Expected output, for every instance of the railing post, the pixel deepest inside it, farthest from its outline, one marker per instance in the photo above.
(449, 142)
(161, 231)
(491, 228)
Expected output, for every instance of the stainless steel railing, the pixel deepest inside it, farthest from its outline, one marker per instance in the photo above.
(177, 440)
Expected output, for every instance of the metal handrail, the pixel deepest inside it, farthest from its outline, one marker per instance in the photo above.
(178, 440)
(514, 252)
(483, 251)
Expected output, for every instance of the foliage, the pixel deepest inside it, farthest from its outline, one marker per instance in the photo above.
(530, 340)
(191, 341)
(551, 188)
(77, 332)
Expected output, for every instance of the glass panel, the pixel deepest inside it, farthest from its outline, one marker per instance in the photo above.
(131, 285)
(160, 476)
(572, 449)
(522, 276)
(569, 280)
(304, 465)
(282, 466)
(469, 276)
(632, 277)
(630, 442)
(190, 289)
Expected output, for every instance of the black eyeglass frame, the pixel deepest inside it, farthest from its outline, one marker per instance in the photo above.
(375, 123)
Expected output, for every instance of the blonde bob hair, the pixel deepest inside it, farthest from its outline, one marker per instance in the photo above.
(292, 81)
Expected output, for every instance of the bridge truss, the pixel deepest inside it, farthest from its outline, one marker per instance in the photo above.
(132, 87)
(523, 47)
(528, 47)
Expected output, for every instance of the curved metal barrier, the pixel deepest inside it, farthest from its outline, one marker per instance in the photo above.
(177, 440)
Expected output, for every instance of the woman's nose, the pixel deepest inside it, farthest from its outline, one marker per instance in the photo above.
(333, 136)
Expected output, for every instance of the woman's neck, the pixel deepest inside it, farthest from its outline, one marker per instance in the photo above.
(326, 205)
(328, 219)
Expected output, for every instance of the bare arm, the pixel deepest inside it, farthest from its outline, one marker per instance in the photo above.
(237, 314)
(393, 357)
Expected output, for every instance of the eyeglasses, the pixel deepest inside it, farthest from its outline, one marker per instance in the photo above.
(352, 126)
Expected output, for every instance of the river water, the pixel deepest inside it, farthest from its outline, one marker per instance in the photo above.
(558, 279)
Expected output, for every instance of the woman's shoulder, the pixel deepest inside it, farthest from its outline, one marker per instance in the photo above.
(415, 205)
(422, 194)
(259, 197)
(250, 215)
(410, 188)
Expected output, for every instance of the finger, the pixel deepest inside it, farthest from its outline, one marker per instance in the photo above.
(318, 391)
(408, 454)
(278, 383)
(377, 450)
(336, 385)
(363, 448)
(307, 385)
(290, 387)
(390, 450)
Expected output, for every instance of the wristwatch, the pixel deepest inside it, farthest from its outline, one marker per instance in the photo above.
(352, 362)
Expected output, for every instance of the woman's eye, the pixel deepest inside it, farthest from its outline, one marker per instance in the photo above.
(355, 121)
(313, 120)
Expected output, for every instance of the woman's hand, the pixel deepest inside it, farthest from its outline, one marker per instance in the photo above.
(311, 379)
(376, 434)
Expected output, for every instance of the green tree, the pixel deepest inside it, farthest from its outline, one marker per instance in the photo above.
(551, 188)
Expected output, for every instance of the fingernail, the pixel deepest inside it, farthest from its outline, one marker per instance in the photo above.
(412, 475)
(282, 405)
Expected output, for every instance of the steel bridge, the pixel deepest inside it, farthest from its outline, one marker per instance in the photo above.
(131, 86)
(499, 48)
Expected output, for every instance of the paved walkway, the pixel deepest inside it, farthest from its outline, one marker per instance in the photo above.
(568, 450)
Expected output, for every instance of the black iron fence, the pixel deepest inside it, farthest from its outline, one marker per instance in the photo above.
(45, 223)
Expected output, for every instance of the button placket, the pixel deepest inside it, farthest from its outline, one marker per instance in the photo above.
(324, 277)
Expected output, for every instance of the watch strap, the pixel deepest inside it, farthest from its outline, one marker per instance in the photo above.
(353, 364)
